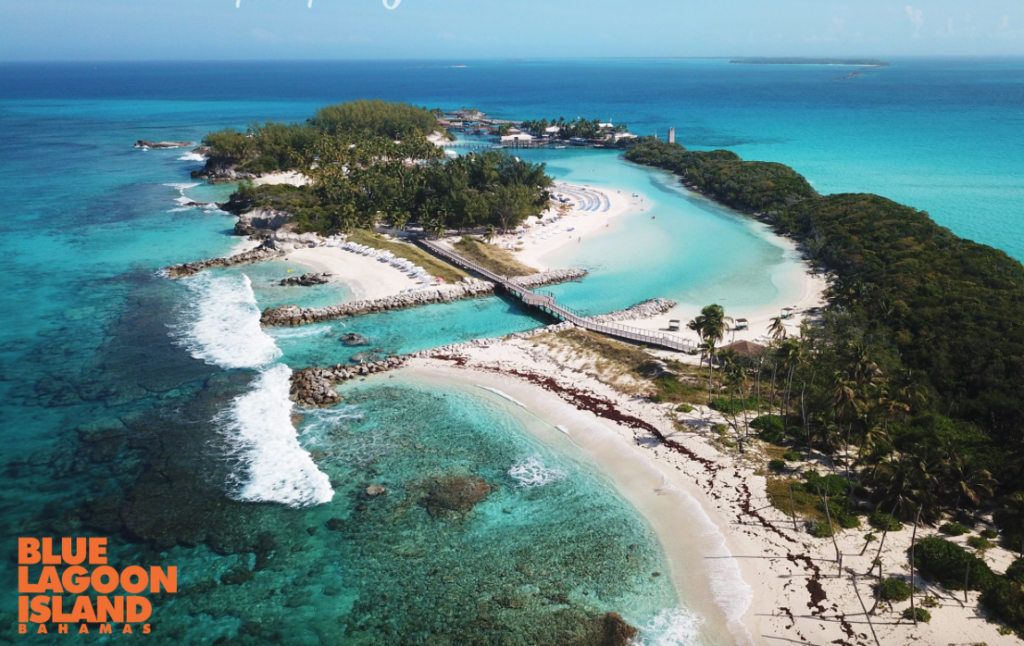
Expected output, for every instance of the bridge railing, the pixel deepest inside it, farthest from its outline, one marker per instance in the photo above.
(565, 312)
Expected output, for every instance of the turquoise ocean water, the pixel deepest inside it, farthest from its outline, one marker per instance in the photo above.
(155, 412)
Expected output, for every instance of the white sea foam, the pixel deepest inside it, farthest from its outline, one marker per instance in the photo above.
(273, 465)
(675, 627)
(183, 186)
(320, 421)
(182, 200)
(192, 157)
(532, 473)
(504, 396)
(304, 332)
(731, 593)
(222, 323)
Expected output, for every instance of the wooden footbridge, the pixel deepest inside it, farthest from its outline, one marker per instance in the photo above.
(545, 302)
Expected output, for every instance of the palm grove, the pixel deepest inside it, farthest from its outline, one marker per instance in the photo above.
(913, 382)
(371, 163)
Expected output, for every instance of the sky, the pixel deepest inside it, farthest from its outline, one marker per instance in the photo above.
(63, 30)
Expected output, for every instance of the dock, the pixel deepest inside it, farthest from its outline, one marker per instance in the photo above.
(546, 303)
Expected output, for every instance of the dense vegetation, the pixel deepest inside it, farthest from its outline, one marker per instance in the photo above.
(371, 163)
(914, 378)
(721, 174)
(264, 148)
(584, 128)
(376, 118)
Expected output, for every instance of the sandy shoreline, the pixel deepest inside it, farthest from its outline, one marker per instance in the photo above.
(804, 286)
(367, 277)
(769, 582)
(541, 241)
(674, 513)
(808, 284)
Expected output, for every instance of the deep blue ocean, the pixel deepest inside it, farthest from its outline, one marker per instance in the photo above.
(156, 413)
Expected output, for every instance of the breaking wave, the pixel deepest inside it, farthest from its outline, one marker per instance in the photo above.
(273, 466)
(221, 323)
(531, 473)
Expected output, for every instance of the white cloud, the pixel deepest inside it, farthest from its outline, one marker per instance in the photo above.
(1004, 22)
(916, 16)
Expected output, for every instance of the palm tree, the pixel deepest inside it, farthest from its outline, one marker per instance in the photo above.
(437, 229)
(911, 482)
(792, 355)
(846, 403)
(1010, 517)
(777, 328)
(968, 480)
(710, 326)
(490, 233)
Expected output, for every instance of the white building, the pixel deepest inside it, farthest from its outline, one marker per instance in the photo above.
(519, 138)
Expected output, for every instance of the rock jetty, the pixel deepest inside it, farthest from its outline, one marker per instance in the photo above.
(307, 280)
(263, 252)
(314, 387)
(549, 277)
(291, 315)
(142, 143)
(644, 310)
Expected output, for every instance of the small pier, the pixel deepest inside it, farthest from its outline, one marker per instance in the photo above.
(545, 302)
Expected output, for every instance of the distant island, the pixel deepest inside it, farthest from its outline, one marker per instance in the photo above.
(864, 62)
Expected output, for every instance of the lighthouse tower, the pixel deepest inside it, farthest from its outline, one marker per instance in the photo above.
(672, 135)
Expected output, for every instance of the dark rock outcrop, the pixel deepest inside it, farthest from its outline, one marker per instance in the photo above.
(353, 340)
(142, 143)
(220, 171)
(615, 630)
(314, 387)
(260, 220)
(452, 494)
(307, 280)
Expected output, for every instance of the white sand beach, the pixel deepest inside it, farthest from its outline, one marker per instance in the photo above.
(544, 235)
(368, 278)
(766, 582)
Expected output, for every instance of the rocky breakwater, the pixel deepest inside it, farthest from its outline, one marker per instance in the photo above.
(265, 251)
(549, 277)
(314, 387)
(644, 310)
(291, 315)
(306, 280)
(142, 143)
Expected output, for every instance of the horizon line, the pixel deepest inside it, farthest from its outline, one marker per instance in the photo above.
(510, 59)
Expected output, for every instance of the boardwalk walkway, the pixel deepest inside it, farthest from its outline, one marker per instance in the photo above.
(546, 303)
